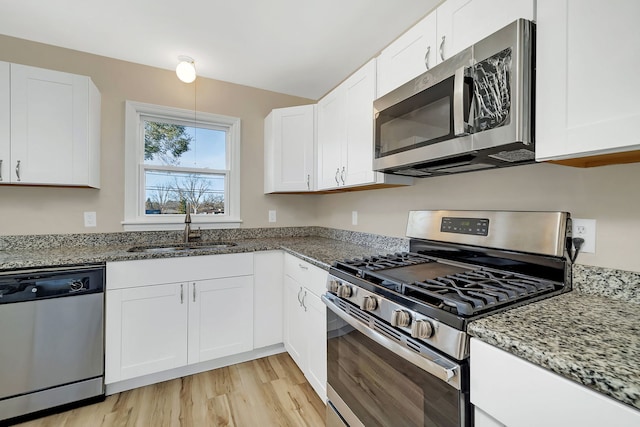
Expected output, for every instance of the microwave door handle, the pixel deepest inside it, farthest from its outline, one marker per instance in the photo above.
(460, 126)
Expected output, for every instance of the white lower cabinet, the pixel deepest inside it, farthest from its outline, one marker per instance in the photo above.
(509, 391)
(157, 321)
(305, 322)
(220, 318)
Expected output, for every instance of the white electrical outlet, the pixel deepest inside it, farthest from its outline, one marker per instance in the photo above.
(272, 216)
(354, 217)
(90, 219)
(585, 229)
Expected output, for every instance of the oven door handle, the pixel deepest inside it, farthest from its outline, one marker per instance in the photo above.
(435, 364)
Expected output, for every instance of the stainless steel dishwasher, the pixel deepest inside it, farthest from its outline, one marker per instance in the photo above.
(52, 340)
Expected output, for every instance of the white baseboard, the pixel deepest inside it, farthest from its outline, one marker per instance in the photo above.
(196, 368)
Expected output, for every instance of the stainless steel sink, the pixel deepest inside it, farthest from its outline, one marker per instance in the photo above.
(181, 247)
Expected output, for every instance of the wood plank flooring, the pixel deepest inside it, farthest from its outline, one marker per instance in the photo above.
(271, 391)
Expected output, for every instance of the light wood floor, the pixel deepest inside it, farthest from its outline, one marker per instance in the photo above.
(271, 391)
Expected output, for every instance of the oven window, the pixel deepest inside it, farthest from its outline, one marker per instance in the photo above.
(423, 119)
(383, 389)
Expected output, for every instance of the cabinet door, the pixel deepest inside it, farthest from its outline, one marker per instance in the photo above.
(290, 149)
(359, 92)
(268, 298)
(517, 393)
(295, 333)
(220, 317)
(5, 114)
(146, 330)
(410, 55)
(331, 123)
(464, 22)
(316, 313)
(586, 107)
(49, 126)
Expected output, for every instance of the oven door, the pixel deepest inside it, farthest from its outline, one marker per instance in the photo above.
(373, 380)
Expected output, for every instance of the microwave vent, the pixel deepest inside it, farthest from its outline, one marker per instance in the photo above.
(521, 155)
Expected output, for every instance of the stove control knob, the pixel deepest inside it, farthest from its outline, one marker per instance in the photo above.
(400, 318)
(333, 285)
(421, 329)
(369, 304)
(345, 291)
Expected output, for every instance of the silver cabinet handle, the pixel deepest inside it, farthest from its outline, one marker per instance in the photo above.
(194, 292)
(442, 48)
(308, 182)
(304, 267)
(426, 57)
(299, 300)
(342, 174)
(303, 297)
(181, 294)
(18, 170)
(337, 173)
(0, 169)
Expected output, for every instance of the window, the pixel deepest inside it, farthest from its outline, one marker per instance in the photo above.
(177, 159)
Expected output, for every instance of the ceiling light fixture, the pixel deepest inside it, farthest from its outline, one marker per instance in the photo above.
(186, 69)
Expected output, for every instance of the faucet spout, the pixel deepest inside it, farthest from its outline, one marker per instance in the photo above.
(187, 224)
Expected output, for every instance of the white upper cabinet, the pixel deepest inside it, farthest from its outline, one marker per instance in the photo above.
(410, 55)
(289, 150)
(452, 27)
(586, 107)
(461, 23)
(55, 128)
(345, 134)
(5, 122)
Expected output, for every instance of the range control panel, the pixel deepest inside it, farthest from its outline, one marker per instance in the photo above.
(472, 226)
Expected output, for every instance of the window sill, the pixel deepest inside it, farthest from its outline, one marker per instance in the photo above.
(175, 223)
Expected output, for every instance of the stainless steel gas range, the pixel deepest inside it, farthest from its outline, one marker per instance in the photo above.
(397, 344)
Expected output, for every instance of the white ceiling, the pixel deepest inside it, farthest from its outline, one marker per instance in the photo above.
(297, 47)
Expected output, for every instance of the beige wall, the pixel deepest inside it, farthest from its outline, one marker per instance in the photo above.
(608, 194)
(42, 210)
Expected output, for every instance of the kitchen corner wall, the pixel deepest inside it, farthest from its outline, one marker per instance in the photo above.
(44, 210)
(609, 194)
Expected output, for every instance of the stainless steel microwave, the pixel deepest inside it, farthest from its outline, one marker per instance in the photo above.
(473, 111)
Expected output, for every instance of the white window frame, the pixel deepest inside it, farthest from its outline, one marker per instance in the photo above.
(134, 217)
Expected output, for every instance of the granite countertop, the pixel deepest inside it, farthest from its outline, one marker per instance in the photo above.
(582, 335)
(320, 251)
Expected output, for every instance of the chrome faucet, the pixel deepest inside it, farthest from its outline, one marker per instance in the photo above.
(187, 224)
(188, 233)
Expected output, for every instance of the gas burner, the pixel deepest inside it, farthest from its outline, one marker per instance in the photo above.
(382, 262)
(476, 291)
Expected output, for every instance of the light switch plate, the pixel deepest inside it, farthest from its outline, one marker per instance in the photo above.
(272, 216)
(354, 217)
(90, 219)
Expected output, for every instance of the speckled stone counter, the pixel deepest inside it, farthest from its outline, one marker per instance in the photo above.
(590, 335)
(320, 249)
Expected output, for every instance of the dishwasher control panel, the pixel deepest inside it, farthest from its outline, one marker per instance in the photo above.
(50, 283)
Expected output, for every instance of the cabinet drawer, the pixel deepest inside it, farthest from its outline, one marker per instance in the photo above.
(127, 274)
(308, 275)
